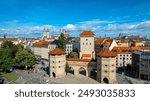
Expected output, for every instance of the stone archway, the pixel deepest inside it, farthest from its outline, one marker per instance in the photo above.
(54, 75)
(82, 71)
(105, 80)
(71, 70)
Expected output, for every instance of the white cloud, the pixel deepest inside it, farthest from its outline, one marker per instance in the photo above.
(111, 29)
(69, 27)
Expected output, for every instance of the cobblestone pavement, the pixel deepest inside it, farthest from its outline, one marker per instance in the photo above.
(39, 76)
(74, 79)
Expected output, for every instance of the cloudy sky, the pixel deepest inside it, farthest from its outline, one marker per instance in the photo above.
(104, 17)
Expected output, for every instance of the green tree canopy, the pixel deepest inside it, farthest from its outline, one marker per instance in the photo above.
(25, 57)
(61, 42)
(73, 55)
(11, 54)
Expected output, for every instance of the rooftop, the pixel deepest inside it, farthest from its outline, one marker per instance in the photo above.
(87, 33)
(106, 53)
(66, 35)
(78, 59)
(41, 44)
(57, 51)
(8, 39)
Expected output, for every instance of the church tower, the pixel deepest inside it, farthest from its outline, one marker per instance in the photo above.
(87, 45)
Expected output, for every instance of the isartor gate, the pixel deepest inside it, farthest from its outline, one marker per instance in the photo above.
(81, 67)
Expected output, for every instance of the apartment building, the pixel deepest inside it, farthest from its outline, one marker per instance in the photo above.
(141, 64)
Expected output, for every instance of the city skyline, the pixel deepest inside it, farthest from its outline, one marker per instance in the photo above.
(110, 17)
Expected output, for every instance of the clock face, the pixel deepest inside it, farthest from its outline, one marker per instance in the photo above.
(86, 39)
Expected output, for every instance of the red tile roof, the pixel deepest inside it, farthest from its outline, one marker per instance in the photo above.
(86, 55)
(78, 59)
(57, 51)
(87, 33)
(8, 39)
(100, 41)
(66, 35)
(128, 50)
(106, 53)
(41, 44)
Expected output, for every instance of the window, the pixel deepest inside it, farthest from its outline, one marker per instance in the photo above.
(53, 61)
(86, 43)
(53, 67)
(83, 43)
(112, 64)
(59, 66)
(59, 61)
(120, 58)
(90, 43)
(120, 55)
(112, 71)
(105, 71)
(105, 65)
(86, 39)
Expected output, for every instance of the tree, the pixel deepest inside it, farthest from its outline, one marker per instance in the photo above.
(61, 42)
(7, 55)
(7, 44)
(73, 55)
(25, 57)
(11, 54)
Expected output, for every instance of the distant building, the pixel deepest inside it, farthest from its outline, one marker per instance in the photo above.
(104, 43)
(106, 67)
(123, 56)
(57, 63)
(122, 43)
(141, 64)
(69, 48)
(14, 40)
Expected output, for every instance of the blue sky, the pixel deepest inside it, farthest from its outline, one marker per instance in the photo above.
(110, 17)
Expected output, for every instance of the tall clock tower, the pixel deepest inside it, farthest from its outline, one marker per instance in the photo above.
(87, 45)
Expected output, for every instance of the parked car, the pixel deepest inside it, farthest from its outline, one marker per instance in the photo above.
(10, 69)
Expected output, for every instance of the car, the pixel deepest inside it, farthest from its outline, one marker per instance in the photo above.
(10, 69)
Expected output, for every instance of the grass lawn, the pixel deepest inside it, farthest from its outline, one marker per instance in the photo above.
(9, 76)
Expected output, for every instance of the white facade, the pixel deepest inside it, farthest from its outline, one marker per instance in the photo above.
(44, 53)
(69, 48)
(37, 51)
(113, 44)
(52, 47)
(123, 59)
